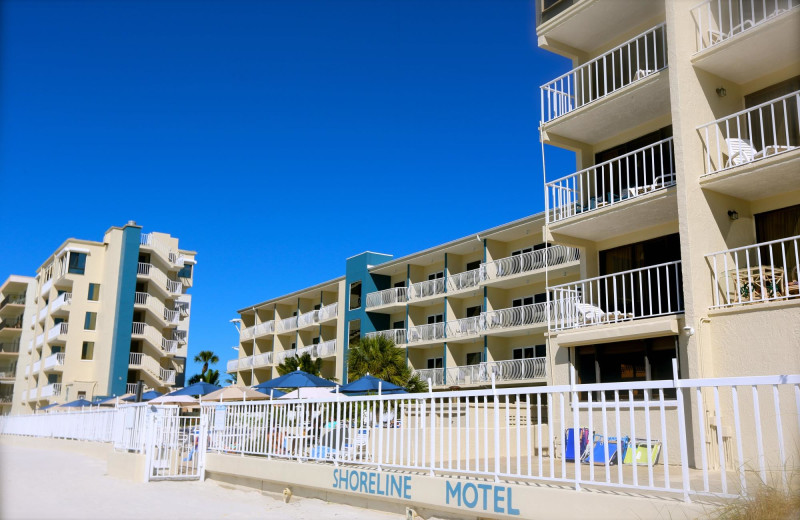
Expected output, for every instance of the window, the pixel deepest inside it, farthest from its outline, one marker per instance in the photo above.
(628, 361)
(435, 318)
(186, 272)
(354, 332)
(52, 378)
(399, 324)
(536, 351)
(776, 225)
(315, 341)
(473, 311)
(77, 262)
(435, 362)
(294, 345)
(90, 322)
(94, 292)
(400, 284)
(81, 395)
(519, 302)
(779, 124)
(317, 306)
(436, 276)
(521, 251)
(355, 295)
(473, 358)
(471, 266)
(87, 353)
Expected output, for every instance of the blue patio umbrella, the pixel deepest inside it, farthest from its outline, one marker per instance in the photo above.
(295, 379)
(146, 396)
(272, 392)
(370, 385)
(196, 389)
(77, 403)
(48, 406)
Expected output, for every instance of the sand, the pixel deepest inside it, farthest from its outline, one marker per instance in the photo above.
(46, 483)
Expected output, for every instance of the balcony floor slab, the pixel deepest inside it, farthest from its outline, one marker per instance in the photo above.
(621, 331)
(758, 179)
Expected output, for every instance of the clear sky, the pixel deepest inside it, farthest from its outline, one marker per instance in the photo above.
(275, 138)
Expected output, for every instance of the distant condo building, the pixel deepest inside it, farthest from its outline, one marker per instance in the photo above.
(676, 236)
(97, 318)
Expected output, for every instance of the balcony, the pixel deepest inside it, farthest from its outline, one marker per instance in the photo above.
(388, 300)
(13, 299)
(328, 312)
(326, 348)
(46, 275)
(311, 350)
(481, 374)
(308, 319)
(167, 376)
(745, 40)
(10, 347)
(161, 281)
(182, 308)
(646, 292)
(42, 314)
(130, 388)
(232, 366)
(171, 257)
(54, 361)
(180, 336)
(40, 340)
(11, 323)
(464, 282)
(60, 305)
(287, 324)
(51, 390)
(158, 309)
(154, 338)
(151, 367)
(621, 89)
(7, 374)
(465, 328)
(505, 272)
(280, 357)
(398, 336)
(754, 153)
(426, 290)
(261, 360)
(432, 332)
(760, 273)
(58, 333)
(515, 320)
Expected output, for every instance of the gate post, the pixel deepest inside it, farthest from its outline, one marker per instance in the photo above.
(202, 445)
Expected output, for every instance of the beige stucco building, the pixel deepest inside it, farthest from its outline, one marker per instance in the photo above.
(97, 318)
(675, 236)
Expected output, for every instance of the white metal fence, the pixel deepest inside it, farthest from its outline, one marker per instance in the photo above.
(758, 273)
(329, 311)
(719, 20)
(628, 176)
(465, 280)
(752, 134)
(639, 293)
(633, 60)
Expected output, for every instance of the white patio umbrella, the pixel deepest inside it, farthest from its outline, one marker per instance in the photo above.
(173, 399)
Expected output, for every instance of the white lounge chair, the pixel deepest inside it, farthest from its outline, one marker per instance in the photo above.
(592, 314)
(741, 151)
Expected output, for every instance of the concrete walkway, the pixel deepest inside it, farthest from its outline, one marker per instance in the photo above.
(41, 483)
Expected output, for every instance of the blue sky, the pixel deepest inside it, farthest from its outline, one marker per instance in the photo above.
(276, 138)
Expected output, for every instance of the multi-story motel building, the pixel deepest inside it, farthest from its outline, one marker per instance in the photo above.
(675, 237)
(97, 318)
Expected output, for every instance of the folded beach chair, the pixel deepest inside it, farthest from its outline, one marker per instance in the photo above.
(642, 452)
(598, 450)
(569, 443)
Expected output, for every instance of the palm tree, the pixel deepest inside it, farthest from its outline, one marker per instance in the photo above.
(379, 357)
(206, 357)
(304, 363)
(211, 376)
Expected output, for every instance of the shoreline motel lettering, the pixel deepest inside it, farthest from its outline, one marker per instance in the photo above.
(485, 497)
(373, 483)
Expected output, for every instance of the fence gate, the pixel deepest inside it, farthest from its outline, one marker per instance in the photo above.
(175, 447)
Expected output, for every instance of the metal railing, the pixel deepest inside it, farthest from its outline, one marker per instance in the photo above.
(426, 288)
(429, 332)
(10, 346)
(268, 327)
(464, 327)
(628, 295)
(329, 311)
(135, 358)
(631, 61)
(170, 286)
(167, 376)
(62, 300)
(465, 280)
(326, 348)
(432, 376)
(262, 360)
(181, 336)
(763, 272)
(57, 330)
(524, 315)
(308, 318)
(752, 134)
(720, 20)
(232, 366)
(287, 324)
(387, 297)
(628, 176)
(13, 299)
(280, 357)
(481, 373)
(247, 333)
(11, 323)
(530, 261)
(398, 336)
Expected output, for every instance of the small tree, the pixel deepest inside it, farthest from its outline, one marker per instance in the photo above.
(304, 363)
(379, 357)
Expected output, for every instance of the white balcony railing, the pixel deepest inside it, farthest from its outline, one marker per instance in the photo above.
(531, 261)
(51, 390)
(720, 20)
(759, 273)
(308, 318)
(753, 134)
(54, 360)
(523, 315)
(429, 332)
(329, 311)
(169, 346)
(162, 246)
(268, 327)
(135, 358)
(432, 376)
(42, 313)
(311, 350)
(387, 297)
(465, 280)
(167, 376)
(326, 348)
(639, 293)
(635, 59)
(287, 324)
(262, 360)
(280, 357)
(464, 327)
(247, 333)
(181, 336)
(62, 300)
(57, 330)
(508, 370)
(171, 286)
(628, 176)
(36, 367)
(398, 336)
(426, 288)
(40, 340)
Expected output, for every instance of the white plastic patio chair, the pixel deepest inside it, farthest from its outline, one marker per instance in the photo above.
(741, 151)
